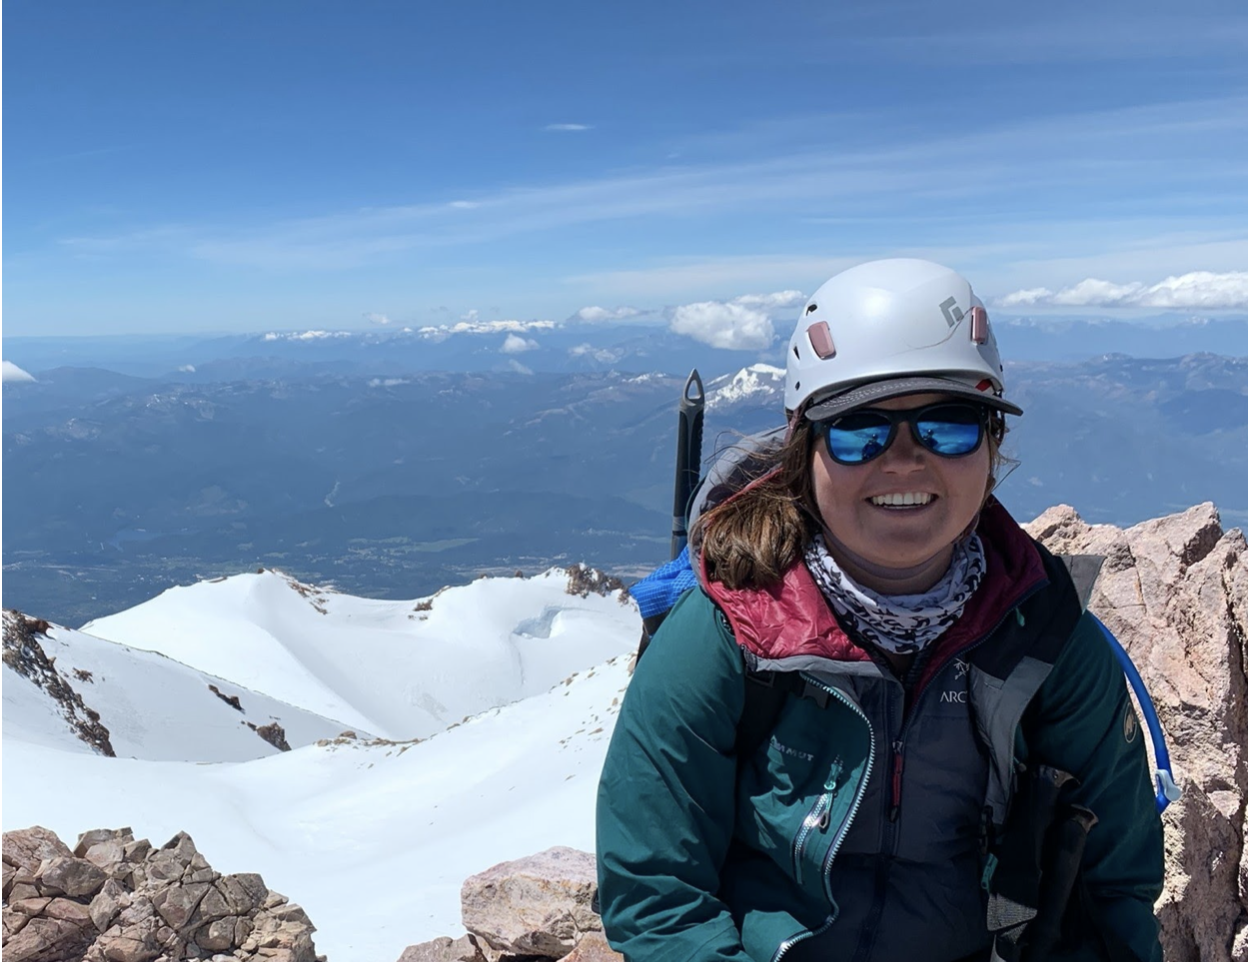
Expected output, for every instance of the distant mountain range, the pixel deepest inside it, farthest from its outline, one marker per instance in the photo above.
(117, 486)
(567, 347)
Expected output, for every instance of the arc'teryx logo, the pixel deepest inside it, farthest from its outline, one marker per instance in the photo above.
(960, 668)
(953, 313)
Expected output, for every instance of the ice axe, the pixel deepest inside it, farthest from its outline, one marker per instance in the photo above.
(688, 456)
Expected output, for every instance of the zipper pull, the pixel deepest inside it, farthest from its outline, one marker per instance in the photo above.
(898, 763)
(825, 819)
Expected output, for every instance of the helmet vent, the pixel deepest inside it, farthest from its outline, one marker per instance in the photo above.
(811, 308)
(796, 353)
(979, 325)
(821, 340)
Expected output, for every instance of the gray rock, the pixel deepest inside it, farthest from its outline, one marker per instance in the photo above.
(28, 847)
(540, 905)
(444, 949)
(87, 912)
(66, 875)
(88, 840)
(593, 947)
(1174, 591)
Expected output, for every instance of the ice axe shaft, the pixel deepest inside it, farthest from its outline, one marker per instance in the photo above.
(688, 456)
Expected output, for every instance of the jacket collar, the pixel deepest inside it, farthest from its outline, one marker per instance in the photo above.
(792, 618)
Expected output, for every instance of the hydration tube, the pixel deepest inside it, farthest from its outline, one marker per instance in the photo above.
(1167, 790)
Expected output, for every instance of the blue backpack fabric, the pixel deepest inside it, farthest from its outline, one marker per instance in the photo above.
(659, 591)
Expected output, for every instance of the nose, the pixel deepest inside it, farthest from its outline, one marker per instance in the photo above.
(905, 455)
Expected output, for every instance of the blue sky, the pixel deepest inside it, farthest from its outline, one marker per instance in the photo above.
(241, 166)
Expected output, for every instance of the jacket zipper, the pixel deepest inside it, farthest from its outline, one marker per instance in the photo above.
(844, 826)
(899, 763)
(899, 745)
(898, 768)
(819, 816)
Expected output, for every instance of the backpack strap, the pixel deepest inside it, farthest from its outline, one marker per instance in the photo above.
(1083, 570)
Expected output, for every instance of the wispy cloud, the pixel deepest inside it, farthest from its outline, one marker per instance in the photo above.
(374, 318)
(568, 128)
(602, 355)
(772, 302)
(991, 176)
(1197, 290)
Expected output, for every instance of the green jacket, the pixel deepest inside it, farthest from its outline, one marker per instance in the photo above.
(811, 849)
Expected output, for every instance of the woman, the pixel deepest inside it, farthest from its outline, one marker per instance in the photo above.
(936, 658)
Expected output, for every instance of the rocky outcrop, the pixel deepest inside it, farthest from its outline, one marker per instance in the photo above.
(1175, 592)
(273, 733)
(117, 899)
(584, 581)
(537, 908)
(24, 654)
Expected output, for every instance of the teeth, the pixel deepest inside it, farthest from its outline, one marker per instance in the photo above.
(910, 497)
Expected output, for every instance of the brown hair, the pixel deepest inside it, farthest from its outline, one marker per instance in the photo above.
(750, 539)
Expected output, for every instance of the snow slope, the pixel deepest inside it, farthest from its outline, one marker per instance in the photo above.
(398, 669)
(374, 837)
(153, 707)
(374, 840)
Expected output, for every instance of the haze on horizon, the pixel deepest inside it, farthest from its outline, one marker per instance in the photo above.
(290, 166)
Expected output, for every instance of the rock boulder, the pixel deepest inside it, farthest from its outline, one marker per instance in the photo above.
(115, 899)
(1174, 591)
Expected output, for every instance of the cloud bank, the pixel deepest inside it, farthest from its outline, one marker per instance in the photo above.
(742, 324)
(1195, 290)
(14, 373)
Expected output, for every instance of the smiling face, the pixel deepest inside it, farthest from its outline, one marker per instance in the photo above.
(891, 523)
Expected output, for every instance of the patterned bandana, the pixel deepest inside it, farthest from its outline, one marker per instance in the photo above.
(902, 624)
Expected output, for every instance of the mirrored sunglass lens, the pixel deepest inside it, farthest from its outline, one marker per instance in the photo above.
(857, 438)
(949, 437)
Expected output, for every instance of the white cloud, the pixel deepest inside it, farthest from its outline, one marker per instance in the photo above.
(605, 314)
(187, 369)
(771, 301)
(742, 324)
(463, 204)
(471, 317)
(441, 332)
(518, 367)
(600, 354)
(731, 326)
(1195, 290)
(566, 128)
(515, 344)
(1026, 297)
(14, 373)
(1200, 289)
(375, 318)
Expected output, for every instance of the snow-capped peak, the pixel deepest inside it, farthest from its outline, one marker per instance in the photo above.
(756, 381)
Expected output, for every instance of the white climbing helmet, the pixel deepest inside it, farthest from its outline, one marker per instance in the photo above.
(887, 329)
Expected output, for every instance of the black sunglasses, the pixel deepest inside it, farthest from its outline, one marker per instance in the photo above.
(949, 429)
